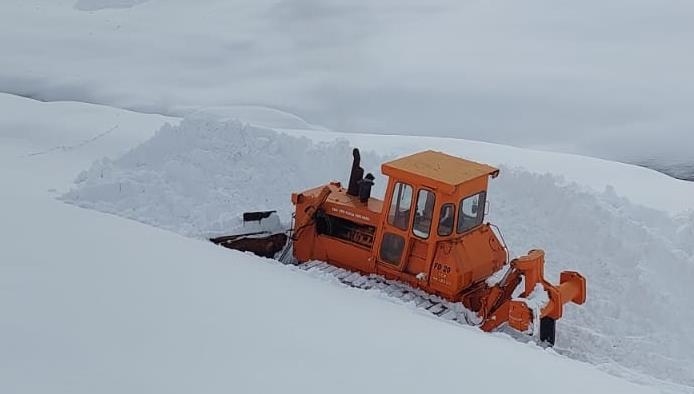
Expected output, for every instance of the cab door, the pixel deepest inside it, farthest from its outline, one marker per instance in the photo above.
(421, 237)
(394, 246)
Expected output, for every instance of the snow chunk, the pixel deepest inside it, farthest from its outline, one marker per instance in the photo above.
(537, 300)
(496, 277)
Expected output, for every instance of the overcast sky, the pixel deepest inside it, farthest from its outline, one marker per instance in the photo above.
(608, 78)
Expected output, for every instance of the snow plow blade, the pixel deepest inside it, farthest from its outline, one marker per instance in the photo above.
(262, 235)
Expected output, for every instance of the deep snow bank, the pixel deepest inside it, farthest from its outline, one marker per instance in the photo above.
(198, 177)
(638, 276)
(641, 185)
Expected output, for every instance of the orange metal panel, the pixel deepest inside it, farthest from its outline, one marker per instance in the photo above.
(437, 167)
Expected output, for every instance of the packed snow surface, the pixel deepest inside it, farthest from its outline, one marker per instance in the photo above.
(95, 303)
(198, 177)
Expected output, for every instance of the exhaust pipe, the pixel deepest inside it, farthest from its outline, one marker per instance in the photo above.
(355, 175)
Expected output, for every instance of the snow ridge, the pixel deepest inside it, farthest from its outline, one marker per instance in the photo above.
(198, 177)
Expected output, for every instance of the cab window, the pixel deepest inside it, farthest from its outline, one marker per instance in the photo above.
(446, 220)
(400, 204)
(471, 212)
(391, 248)
(424, 212)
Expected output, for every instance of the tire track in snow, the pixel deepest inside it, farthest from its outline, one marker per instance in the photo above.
(66, 148)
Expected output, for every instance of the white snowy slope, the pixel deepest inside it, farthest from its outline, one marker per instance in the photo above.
(78, 129)
(96, 303)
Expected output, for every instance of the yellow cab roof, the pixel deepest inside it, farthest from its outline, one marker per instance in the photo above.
(439, 167)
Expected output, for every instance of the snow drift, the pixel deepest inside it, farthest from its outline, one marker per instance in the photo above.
(196, 179)
(637, 276)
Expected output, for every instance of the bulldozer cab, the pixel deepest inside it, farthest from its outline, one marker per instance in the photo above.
(430, 197)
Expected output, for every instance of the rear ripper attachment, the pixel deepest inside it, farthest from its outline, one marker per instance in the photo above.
(261, 235)
(429, 234)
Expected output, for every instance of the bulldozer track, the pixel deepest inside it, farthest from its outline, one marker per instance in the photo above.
(437, 306)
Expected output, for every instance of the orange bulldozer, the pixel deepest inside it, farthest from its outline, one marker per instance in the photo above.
(429, 234)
